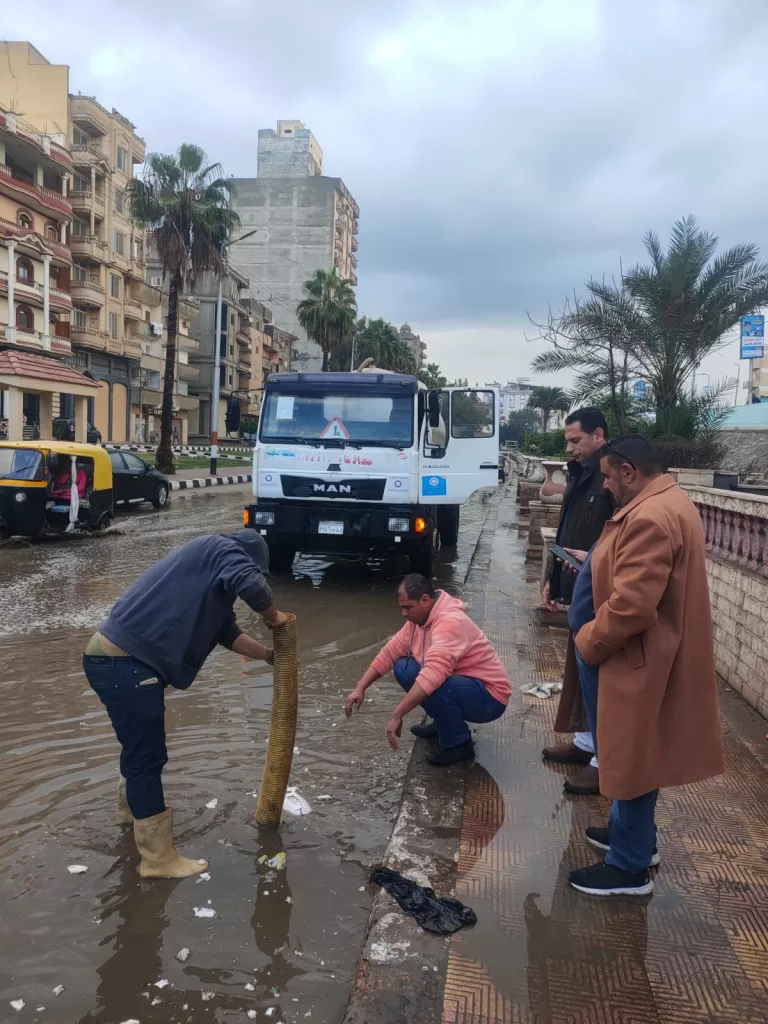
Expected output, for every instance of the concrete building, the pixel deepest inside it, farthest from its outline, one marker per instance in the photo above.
(290, 152)
(415, 344)
(303, 222)
(513, 397)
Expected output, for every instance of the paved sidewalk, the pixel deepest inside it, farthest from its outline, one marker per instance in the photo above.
(694, 952)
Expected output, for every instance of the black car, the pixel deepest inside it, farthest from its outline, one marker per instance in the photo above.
(64, 430)
(133, 481)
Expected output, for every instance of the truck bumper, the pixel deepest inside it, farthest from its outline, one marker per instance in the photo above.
(366, 529)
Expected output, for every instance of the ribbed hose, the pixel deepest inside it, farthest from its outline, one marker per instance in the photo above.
(282, 727)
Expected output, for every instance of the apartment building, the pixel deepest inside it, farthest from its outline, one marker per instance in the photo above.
(415, 344)
(303, 221)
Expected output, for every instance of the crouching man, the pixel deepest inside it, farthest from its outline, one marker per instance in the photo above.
(159, 633)
(446, 664)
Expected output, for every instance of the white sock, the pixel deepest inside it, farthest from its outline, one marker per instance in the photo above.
(593, 763)
(583, 740)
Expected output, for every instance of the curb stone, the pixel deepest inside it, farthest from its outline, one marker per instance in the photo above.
(401, 972)
(209, 481)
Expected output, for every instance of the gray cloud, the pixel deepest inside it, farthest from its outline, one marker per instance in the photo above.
(501, 152)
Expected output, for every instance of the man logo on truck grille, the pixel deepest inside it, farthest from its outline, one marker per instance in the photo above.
(332, 488)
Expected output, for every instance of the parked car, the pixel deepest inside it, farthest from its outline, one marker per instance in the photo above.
(134, 481)
(64, 430)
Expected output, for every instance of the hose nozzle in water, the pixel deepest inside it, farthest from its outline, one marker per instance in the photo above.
(282, 727)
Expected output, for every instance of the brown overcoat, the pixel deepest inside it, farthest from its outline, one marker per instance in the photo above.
(658, 722)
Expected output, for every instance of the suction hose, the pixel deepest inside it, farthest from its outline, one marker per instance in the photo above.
(282, 727)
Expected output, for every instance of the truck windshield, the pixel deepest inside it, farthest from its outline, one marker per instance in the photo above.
(338, 417)
(20, 464)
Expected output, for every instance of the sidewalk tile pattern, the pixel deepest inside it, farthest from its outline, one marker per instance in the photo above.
(694, 952)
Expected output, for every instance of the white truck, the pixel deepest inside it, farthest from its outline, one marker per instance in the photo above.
(368, 464)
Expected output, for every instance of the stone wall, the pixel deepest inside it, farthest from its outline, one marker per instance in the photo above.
(736, 532)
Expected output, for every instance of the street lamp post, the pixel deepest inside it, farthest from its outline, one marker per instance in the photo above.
(738, 382)
(216, 389)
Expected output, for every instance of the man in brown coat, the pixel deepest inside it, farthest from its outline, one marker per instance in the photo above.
(658, 722)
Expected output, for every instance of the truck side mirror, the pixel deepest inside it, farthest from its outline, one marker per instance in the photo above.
(433, 407)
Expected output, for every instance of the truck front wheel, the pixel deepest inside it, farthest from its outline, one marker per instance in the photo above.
(281, 557)
(448, 525)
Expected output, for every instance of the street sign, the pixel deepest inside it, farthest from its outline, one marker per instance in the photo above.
(640, 387)
(752, 337)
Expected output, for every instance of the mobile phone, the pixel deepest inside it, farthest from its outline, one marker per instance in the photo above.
(563, 555)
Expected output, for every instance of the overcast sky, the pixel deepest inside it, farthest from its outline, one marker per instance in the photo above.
(501, 151)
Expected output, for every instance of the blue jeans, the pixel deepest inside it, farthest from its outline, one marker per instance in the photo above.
(632, 832)
(132, 693)
(588, 677)
(459, 700)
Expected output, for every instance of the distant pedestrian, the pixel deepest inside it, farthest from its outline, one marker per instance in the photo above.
(658, 722)
(446, 664)
(587, 506)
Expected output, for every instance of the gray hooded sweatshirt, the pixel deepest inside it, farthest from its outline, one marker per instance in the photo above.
(177, 611)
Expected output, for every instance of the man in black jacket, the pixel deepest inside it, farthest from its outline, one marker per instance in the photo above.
(587, 506)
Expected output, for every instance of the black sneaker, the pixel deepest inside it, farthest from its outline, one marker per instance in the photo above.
(427, 731)
(604, 880)
(598, 838)
(445, 756)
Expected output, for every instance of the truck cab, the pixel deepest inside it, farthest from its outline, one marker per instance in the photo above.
(368, 464)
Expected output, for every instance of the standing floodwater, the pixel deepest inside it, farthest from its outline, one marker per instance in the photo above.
(281, 943)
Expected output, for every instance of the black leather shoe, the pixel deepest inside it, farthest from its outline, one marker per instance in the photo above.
(445, 756)
(426, 731)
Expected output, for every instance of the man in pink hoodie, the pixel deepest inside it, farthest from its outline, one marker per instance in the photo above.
(444, 662)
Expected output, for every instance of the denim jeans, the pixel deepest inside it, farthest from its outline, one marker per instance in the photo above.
(588, 677)
(632, 832)
(132, 693)
(459, 700)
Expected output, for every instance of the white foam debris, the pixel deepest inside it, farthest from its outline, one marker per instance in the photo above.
(204, 912)
(249, 987)
(77, 869)
(269, 1011)
(18, 1004)
(207, 996)
(183, 955)
(204, 876)
(325, 796)
(162, 983)
(212, 804)
(156, 1001)
(58, 990)
(251, 1015)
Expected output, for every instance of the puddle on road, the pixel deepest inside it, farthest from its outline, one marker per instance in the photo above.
(283, 944)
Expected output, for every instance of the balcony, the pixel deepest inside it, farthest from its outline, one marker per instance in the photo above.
(88, 294)
(89, 247)
(62, 253)
(353, 260)
(353, 279)
(59, 299)
(120, 260)
(33, 340)
(354, 243)
(90, 115)
(40, 199)
(132, 309)
(85, 201)
(88, 156)
(187, 372)
(115, 346)
(133, 347)
(88, 337)
(60, 346)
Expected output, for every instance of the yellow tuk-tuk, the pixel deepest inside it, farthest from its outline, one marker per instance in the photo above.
(50, 487)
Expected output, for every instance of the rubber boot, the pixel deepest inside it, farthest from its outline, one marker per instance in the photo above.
(124, 816)
(159, 857)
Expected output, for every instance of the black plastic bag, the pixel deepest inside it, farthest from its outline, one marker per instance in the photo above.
(434, 914)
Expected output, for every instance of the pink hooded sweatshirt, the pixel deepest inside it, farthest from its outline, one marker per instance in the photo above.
(448, 644)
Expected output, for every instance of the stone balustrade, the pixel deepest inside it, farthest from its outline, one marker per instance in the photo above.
(736, 537)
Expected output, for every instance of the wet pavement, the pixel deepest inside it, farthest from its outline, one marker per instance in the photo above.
(694, 952)
(282, 945)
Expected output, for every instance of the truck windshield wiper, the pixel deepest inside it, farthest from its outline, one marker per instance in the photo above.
(339, 442)
(292, 440)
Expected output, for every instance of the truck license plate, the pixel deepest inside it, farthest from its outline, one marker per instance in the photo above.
(328, 527)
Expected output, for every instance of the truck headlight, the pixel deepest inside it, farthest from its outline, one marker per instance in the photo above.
(263, 518)
(20, 496)
(397, 525)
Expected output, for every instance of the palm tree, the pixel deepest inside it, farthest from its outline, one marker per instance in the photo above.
(432, 376)
(183, 201)
(328, 312)
(659, 321)
(547, 401)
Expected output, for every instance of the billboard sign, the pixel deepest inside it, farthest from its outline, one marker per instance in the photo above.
(752, 337)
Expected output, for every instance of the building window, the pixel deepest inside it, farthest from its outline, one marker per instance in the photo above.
(25, 319)
(79, 228)
(120, 243)
(80, 138)
(25, 220)
(114, 325)
(78, 317)
(119, 200)
(80, 184)
(79, 273)
(25, 271)
(114, 286)
(51, 233)
(122, 159)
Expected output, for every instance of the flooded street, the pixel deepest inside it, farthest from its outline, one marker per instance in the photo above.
(282, 945)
